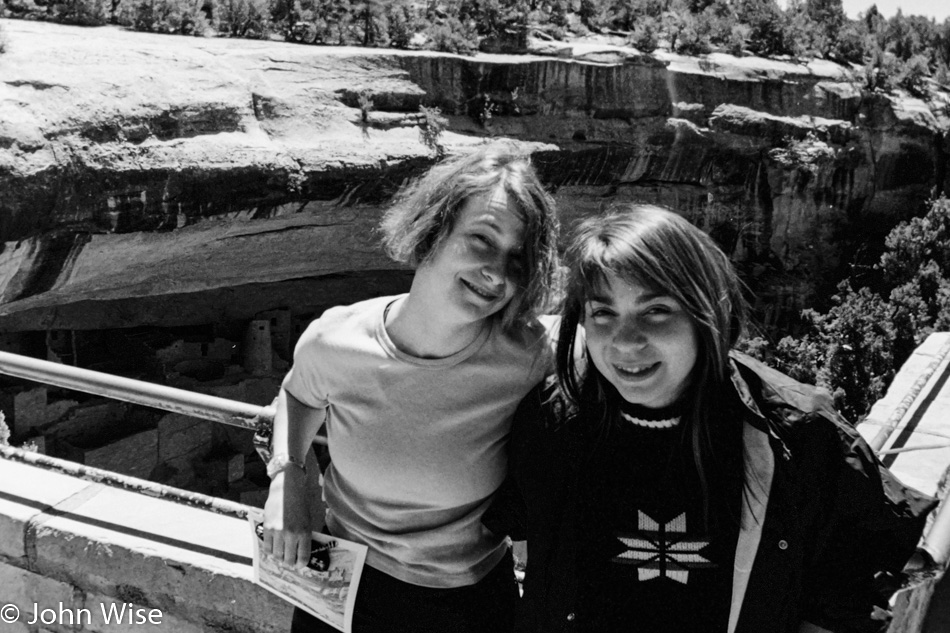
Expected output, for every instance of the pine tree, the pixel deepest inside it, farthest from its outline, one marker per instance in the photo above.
(766, 26)
(827, 18)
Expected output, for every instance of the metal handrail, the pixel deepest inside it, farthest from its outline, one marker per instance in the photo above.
(125, 482)
(197, 405)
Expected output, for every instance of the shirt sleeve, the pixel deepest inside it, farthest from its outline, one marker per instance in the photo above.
(306, 381)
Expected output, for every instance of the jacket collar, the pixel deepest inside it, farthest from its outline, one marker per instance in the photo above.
(779, 395)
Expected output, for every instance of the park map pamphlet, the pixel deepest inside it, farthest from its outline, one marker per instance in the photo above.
(325, 588)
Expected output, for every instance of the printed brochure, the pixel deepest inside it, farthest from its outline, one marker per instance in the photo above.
(325, 588)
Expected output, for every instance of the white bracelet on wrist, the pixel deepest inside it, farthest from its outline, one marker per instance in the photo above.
(281, 462)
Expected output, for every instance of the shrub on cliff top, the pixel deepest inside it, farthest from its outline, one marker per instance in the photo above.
(403, 22)
(645, 36)
(913, 76)
(766, 26)
(193, 19)
(881, 70)
(370, 17)
(450, 35)
(494, 18)
(241, 18)
(826, 18)
(332, 22)
(82, 12)
(184, 17)
(851, 45)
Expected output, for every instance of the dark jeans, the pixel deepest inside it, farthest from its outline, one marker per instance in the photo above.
(387, 605)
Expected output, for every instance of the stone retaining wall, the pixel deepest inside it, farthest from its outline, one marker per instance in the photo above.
(74, 554)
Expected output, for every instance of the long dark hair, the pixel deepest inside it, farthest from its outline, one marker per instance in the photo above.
(660, 250)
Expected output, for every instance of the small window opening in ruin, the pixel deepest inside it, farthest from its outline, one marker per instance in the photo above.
(273, 322)
(260, 328)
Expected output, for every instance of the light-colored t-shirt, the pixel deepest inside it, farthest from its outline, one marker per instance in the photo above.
(417, 445)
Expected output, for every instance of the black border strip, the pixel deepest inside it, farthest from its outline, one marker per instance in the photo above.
(123, 529)
(908, 430)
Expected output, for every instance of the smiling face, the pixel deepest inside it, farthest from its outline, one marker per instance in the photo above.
(643, 342)
(478, 267)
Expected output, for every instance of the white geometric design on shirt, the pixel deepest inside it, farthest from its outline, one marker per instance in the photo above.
(659, 552)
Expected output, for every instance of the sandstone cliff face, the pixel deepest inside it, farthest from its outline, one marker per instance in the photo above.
(160, 180)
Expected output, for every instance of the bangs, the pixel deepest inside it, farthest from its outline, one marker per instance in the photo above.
(606, 255)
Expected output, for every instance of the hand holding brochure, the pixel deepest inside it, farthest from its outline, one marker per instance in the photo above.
(325, 588)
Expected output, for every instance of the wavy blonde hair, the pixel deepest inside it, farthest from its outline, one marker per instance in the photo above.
(425, 212)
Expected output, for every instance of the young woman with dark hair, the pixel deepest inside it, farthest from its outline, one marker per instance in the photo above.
(668, 484)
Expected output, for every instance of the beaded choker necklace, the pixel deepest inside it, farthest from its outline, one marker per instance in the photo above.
(662, 418)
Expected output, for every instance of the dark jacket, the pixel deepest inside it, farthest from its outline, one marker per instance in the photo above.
(821, 516)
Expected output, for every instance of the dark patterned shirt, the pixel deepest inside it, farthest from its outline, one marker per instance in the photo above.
(652, 564)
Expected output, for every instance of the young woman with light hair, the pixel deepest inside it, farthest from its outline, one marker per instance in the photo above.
(417, 393)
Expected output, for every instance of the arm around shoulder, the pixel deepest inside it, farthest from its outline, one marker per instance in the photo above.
(507, 513)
